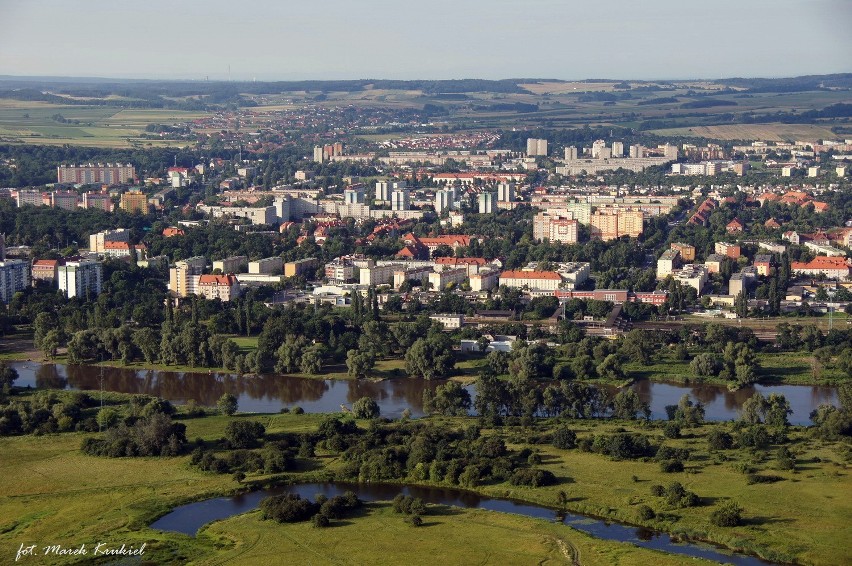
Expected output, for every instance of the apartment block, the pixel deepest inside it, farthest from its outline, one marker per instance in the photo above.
(233, 264)
(14, 277)
(183, 277)
(302, 267)
(267, 266)
(83, 278)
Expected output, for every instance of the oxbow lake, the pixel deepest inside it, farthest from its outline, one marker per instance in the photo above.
(189, 518)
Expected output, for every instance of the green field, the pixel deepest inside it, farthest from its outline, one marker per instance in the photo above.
(96, 126)
(54, 493)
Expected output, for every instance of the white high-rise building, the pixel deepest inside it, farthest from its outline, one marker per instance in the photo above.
(486, 203)
(80, 278)
(14, 277)
(506, 192)
(183, 277)
(400, 200)
(618, 149)
(536, 147)
(382, 191)
(353, 196)
(319, 155)
(442, 201)
(637, 151)
(570, 153)
(597, 145)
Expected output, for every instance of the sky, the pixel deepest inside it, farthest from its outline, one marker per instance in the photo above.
(427, 39)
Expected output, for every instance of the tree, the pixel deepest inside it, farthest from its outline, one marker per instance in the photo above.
(146, 340)
(244, 434)
(704, 365)
(359, 363)
(430, 358)
(610, 368)
(627, 405)
(289, 354)
(8, 376)
(365, 408)
(227, 404)
(50, 343)
(449, 399)
(312, 359)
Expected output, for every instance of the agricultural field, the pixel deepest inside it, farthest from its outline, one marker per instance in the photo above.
(766, 132)
(94, 126)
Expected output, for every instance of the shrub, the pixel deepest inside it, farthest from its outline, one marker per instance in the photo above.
(320, 521)
(671, 430)
(564, 438)
(297, 411)
(719, 440)
(287, 508)
(244, 434)
(416, 521)
(752, 479)
(365, 408)
(532, 477)
(645, 513)
(729, 514)
(657, 490)
(671, 466)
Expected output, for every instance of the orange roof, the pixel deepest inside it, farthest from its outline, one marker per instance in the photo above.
(169, 232)
(449, 240)
(820, 206)
(46, 263)
(821, 262)
(530, 275)
(227, 280)
(116, 245)
(460, 261)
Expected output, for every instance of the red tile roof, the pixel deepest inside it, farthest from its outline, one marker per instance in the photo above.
(227, 280)
(530, 275)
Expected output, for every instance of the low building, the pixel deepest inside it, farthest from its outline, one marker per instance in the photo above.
(45, 270)
(302, 267)
(714, 262)
(730, 250)
(222, 287)
(484, 280)
(98, 241)
(233, 264)
(668, 262)
(742, 282)
(532, 280)
(267, 266)
(687, 252)
(440, 280)
(449, 321)
(831, 267)
(763, 264)
(693, 275)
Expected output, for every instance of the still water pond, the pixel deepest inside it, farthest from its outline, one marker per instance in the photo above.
(271, 393)
(189, 518)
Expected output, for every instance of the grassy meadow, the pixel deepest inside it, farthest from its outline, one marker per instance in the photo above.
(55, 494)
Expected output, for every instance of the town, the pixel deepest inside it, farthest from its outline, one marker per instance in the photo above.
(258, 309)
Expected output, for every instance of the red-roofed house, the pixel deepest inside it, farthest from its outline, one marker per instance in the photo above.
(222, 287)
(820, 206)
(832, 267)
(171, 231)
(771, 223)
(122, 249)
(533, 280)
(734, 226)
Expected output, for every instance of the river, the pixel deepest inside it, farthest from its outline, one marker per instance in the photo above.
(271, 393)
